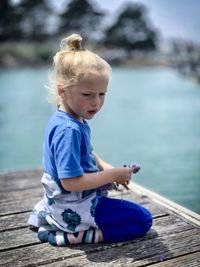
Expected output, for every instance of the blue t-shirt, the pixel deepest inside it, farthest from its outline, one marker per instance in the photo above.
(67, 149)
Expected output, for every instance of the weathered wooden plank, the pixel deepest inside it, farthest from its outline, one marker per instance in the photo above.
(20, 180)
(25, 194)
(30, 179)
(34, 255)
(24, 186)
(18, 206)
(189, 260)
(24, 205)
(11, 222)
(35, 191)
(15, 221)
(141, 251)
(168, 240)
(17, 201)
(128, 255)
(17, 238)
(182, 212)
(156, 209)
(20, 237)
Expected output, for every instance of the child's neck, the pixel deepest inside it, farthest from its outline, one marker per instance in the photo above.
(63, 108)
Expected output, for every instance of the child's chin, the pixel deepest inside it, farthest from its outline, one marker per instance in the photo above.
(90, 116)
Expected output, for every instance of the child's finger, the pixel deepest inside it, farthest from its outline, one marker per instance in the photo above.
(126, 186)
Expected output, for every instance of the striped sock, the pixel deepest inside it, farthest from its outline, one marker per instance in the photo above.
(60, 238)
(43, 232)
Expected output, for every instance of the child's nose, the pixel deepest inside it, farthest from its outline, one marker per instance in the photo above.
(95, 101)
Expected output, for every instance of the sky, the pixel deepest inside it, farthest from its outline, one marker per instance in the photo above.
(173, 18)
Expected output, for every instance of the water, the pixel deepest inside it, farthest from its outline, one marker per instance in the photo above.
(23, 115)
(151, 116)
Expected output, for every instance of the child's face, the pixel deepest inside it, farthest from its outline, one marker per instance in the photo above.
(84, 100)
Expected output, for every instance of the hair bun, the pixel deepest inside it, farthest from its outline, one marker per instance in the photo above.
(71, 43)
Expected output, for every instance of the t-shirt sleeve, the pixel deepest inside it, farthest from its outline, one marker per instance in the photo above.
(67, 153)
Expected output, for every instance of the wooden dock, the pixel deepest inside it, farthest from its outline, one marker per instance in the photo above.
(174, 239)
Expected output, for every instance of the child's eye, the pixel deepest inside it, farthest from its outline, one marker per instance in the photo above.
(86, 94)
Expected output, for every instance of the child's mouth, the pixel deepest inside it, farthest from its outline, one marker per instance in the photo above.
(92, 112)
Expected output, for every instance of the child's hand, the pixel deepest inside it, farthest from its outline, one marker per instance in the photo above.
(133, 168)
(124, 176)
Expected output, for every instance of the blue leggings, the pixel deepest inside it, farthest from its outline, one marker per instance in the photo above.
(121, 220)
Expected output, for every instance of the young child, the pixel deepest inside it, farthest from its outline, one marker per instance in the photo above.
(74, 208)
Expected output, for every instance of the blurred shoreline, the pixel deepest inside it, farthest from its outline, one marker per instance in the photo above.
(181, 56)
(22, 54)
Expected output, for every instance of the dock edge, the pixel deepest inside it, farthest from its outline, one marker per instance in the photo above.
(192, 216)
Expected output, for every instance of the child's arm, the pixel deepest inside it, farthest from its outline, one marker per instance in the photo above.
(87, 181)
(101, 163)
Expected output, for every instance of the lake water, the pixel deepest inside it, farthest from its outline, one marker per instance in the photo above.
(151, 116)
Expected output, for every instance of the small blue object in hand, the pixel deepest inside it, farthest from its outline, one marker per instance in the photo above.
(136, 167)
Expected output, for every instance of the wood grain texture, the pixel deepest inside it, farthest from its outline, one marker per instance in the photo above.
(173, 240)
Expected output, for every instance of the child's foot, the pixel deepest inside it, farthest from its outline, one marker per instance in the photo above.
(43, 233)
(60, 238)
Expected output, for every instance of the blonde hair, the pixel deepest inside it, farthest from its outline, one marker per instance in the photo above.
(72, 63)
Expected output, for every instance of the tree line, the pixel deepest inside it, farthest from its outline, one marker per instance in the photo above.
(38, 21)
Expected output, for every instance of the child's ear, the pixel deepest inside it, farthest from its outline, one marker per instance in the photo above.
(61, 90)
